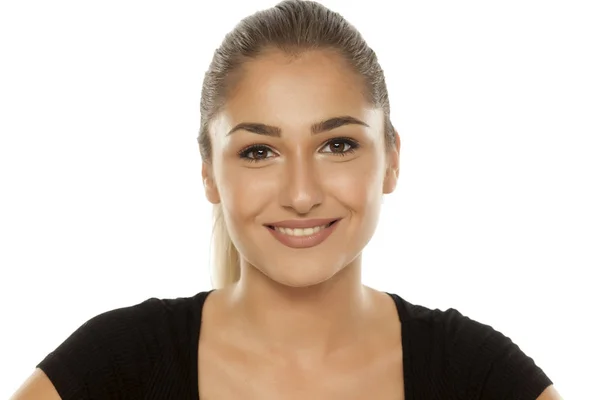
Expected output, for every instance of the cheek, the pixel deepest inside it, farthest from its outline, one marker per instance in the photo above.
(358, 190)
(245, 192)
(356, 184)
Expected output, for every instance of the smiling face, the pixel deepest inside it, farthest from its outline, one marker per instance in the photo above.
(296, 148)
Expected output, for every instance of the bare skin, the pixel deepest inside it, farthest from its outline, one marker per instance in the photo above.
(232, 365)
(300, 323)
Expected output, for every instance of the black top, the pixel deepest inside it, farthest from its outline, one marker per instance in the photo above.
(150, 351)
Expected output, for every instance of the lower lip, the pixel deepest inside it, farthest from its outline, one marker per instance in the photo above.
(303, 242)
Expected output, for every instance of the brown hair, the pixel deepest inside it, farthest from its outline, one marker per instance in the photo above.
(292, 27)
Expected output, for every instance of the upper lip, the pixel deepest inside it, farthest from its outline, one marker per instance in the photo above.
(302, 223)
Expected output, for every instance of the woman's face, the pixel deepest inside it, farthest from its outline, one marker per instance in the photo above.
(290, 165)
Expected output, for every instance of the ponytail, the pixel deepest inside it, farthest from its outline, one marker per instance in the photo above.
(225, 259)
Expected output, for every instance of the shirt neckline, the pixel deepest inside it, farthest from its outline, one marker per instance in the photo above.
(403, 317)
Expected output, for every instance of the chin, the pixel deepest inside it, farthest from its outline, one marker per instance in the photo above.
(301, 283)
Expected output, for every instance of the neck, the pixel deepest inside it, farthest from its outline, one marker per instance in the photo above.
(305, 324)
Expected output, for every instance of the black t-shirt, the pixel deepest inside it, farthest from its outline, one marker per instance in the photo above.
(149, 351)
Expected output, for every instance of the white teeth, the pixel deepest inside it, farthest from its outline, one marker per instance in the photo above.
(300, 231)
(307, 231)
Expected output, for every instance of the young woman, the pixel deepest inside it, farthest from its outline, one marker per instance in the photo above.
(298, 149)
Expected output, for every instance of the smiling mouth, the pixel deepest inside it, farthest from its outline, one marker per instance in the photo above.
(301, 232)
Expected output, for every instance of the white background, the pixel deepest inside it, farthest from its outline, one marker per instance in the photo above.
(496, 212)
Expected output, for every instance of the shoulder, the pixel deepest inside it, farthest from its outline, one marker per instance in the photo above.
(474, 358)
(489, 360)
(115, 348)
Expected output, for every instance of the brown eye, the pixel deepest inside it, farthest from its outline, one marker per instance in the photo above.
(340, 146)
(337, 146)
(256, 153)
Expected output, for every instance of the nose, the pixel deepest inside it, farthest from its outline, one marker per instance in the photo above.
(301, 189)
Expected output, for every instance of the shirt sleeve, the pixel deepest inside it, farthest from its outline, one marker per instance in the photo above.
(105, 358)
(489, 363)
(510, 373)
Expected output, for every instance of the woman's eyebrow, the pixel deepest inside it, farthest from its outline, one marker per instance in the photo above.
(318, 127)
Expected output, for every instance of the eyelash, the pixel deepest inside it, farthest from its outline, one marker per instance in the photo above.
(248, 150)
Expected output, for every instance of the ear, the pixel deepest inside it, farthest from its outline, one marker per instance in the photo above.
(393, 167)
(210, 188)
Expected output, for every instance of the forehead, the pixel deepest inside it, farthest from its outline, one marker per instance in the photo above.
(316, 85)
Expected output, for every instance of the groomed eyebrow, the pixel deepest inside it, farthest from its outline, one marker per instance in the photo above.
(318, 127)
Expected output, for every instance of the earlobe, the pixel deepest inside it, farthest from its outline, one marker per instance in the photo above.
(390, 181)
(212, 194)
(210, 188)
